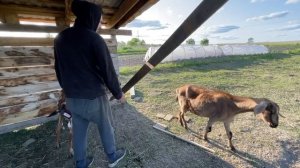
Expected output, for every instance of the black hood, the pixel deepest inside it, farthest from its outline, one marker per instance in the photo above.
(87, 14)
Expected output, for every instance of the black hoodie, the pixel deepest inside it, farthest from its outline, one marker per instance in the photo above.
(83, 63)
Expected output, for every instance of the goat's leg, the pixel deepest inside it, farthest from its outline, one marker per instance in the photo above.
(71, 151)
(58, 130)
(229, 135)
(181, 119)
(208, 128)
(183, 109)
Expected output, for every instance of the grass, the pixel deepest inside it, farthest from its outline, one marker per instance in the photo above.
(255, 75)
(282, 46)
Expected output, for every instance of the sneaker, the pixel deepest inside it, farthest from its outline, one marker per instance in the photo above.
(119, 155)
(88, 162)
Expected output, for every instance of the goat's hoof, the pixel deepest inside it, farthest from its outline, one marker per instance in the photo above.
(70, 155)
(206, 139)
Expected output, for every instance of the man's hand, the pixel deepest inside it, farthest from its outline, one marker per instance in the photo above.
(123, 99)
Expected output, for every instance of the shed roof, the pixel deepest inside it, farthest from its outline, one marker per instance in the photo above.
(116, 13)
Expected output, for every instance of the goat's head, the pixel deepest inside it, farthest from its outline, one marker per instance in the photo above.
(269, 112)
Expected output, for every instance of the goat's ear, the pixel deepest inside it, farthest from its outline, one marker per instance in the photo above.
(260, 107)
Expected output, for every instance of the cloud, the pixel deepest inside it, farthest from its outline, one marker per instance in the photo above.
(253, 1)
(224, 37)
(269, 16)
(292, 1)
(290, 27)
(150, 24)
(221, 29)
(180, 16)
(169, 11)
(281, 35)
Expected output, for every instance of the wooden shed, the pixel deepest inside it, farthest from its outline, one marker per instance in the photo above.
(28, 86)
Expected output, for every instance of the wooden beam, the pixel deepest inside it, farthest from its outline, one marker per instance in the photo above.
(115, 32)
(21, 41)
(122, 11)
(23, 124)
(6, 112)
(68, 12)
(29, 97)
(7, 8)
(30, 28)
(38, 20)
(13, 61)
(108, 10)
(23, 80)
(138, 9)
(54, 29)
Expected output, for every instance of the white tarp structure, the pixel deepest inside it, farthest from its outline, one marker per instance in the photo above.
(197, 51)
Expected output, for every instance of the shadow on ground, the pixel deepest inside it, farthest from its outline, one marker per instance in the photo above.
(290, 154)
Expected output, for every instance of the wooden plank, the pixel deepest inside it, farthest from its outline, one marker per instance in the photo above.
(22, 80)
(23, 124)
(13, 61)
(13, 72)
(30, 28)
(158, 127)
(29, 97)
(5, 8)
(25, 50)
(54, 29)
(43, 107)
(19, 41)
(122, 11)
(7, 92)
(23, 41)
(115, 32)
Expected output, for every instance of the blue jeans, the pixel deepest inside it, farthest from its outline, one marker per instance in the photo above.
(83, 112)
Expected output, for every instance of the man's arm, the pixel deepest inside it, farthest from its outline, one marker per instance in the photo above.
(56, 66)
(106, 68)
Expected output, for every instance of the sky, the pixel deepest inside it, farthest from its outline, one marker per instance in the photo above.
(235, 22)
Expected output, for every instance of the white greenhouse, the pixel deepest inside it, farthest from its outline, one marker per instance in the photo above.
(197, 51)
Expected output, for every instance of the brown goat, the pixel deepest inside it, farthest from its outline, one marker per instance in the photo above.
(221, 106)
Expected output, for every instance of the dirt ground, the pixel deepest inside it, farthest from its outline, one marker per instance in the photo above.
(146, 146)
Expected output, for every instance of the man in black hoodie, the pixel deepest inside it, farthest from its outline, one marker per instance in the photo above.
(84, 69)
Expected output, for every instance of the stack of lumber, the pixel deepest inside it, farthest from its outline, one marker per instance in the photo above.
(28, 85)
